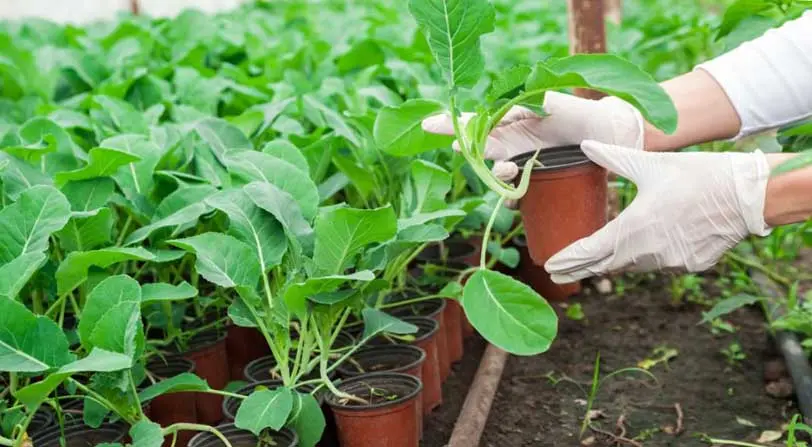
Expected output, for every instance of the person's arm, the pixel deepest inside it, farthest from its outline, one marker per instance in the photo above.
(789, 195)
(762, 84)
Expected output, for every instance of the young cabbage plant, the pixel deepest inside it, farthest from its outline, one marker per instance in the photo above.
(506, 312)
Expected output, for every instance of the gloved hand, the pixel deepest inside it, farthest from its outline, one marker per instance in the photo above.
(690, 209)
(570, 120)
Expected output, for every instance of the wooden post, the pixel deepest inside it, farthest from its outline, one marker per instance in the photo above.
(134, 6)
(614, 10)
(587, 32)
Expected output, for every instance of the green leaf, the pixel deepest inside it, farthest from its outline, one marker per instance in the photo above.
(111, 318)
(327, 117)
(507, 81)
(18, 176)
(26, 225)
(93, 413)
(123, 115)
(98, 360)
(176, 384)
(72, 272)
(297, 294)
(146, 433)
(508, 313)
(87, 230)
(398, 130)
(365, 53)
(137, 178)
(222, 259)
(167, 292)
(358, 174)
(612, 75)
(431, 184)
(15, 274)
(223, 138)
(88, 195)
(799, 161)
(342, 233)
(307, 419)
(177, 219)
(30, 343)
(729, 305)
(282, 206)
(252, 225)
(103, 162)
(376, 322)
(453, 29)
(265, 409)
(285, 150)
(423, 233)
(739, 11)
(257, 166)
(424, 218)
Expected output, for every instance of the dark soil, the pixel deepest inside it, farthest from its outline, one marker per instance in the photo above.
(717, 398)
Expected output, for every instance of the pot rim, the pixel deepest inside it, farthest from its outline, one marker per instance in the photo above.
(230, 429)
(170, 363)
(332, 401)
(425, 321)
(395, 349)
(558, 158)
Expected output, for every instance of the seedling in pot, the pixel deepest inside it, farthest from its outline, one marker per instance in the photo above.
(506, 312)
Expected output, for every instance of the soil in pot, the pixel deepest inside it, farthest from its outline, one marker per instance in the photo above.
(566, 200)
(244, 344)
(388, 419)
(208, 351)
(434, 309)
(77, 434)
(425, 339)
(536, 277)
(168, 409)
(244, 438)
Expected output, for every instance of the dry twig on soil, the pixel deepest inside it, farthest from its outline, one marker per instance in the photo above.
(615, 438)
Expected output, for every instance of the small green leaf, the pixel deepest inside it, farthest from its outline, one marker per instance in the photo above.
(307, 419)
(87, 230)
(167, 292)
(424, 218)
(509, 314)
(729, 305)
(179, 218)
(285, 150)
(90, 194)
(176, 384)
(282, 206)
(30, 343)
(265, 409)
(507, 81)
(146, 433)
(296, 295)
(72, 272)
(111, 318)
(15, 274)
(26, 225)
(103, 162)
(431, 184)
(398, 130)
(222, 259)
(223, 138)
(137, 178)
(376, 322)
(453, 29)
(342, 233)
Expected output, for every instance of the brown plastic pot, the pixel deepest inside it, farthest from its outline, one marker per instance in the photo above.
(566, 200)
(391, 417)
(426, 339)
(407, 359)
(434, 309)
(538, 278)
(168, 409)
(453, 317)
(244, 438)
(77, 434)
(244, 344)
(208, 351)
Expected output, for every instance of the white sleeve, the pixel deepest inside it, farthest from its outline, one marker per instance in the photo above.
(769, 79)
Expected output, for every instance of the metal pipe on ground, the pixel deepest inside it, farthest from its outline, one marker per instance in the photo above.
(474, 414)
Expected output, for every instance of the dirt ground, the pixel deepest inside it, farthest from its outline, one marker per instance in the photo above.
(717, 398)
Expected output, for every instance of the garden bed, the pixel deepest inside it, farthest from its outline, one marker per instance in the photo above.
(529, 411)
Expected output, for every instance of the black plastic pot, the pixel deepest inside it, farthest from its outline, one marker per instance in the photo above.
(261, 370)
(43, 420)
(77, 434)
(455, 250)
(244, 438)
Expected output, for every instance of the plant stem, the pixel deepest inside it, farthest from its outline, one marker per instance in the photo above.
(14, 382)
(727, 442)
(135, 395)
(411, 301)
(23, 430)
(101, 400)
(760, 267)
(5, 441)
(223, 393)
(487, 236)
(174, 428)
(124, 229)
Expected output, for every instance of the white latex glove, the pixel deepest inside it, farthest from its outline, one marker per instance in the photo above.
(689, 210)
(570, 120)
